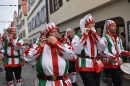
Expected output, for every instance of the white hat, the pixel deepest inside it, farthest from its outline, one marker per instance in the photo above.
(108, 23)
(68, 30)
(42, 31)
(82, 25)
(50, 26)
(11, 28)
(85, 21)
(88, 19)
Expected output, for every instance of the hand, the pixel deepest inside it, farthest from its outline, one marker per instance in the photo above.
(115, 60)
(86, 30)
(52, 39)
(93, 29)
(4, 36)
(43, 38)
(10, 36)
(65, 36)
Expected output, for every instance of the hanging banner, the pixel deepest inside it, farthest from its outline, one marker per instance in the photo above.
(12, 5)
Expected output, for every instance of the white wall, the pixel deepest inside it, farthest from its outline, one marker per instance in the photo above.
(73, 8)
(31, 14)
(120, 8)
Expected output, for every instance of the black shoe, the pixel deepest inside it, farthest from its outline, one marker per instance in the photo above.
(74, 84)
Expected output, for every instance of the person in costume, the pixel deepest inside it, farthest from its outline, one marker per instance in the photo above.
(112, 51)
(11, 44)
(51, 58)
(86, 45)
(72, 71)
(1, 61)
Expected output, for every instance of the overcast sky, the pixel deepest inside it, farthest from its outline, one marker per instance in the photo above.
(6, 12)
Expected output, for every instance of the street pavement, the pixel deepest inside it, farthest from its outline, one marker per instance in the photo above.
(29, 75)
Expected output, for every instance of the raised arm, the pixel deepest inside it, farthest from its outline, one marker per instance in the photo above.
(32, 54)
(17, 44)
(104, 51)
(78, 43)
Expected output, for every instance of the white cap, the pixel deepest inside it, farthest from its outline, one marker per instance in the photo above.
(108, 23)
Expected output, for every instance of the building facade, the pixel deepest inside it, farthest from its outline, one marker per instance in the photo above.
(22, 16)
(67, 13)
(36, 18)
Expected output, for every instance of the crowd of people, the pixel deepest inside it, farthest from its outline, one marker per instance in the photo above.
(57, 59)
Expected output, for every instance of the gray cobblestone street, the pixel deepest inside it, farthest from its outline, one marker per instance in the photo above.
(29, 75)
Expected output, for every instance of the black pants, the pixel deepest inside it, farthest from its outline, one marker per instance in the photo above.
(72, 66)
(9, 73)
(90, 78)
(115, 76)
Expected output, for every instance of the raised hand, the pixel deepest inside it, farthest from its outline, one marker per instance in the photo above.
(51, 39)
(43, 40)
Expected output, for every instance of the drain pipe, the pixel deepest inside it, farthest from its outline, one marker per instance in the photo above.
(47, 14)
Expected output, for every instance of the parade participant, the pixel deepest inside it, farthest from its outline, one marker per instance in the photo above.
(1, 61)
(112, 51)
(12, 61)
(72, 71)
(86, 45)
(50, 58)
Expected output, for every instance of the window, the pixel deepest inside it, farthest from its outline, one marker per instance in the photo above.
(34, 23)
(29, 4)
(20, 35)
(40, 17)
(54, 5)
(37, 20)
(19, 6)
(23, 33)
(21, 24)
(20, 16)
(23, 21)
(28, 27)
(30, 41)
(34, 40)
(43, 13)
(31, 25)
(32, 2)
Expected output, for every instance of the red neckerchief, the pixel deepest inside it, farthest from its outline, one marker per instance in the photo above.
(50, 44)
(14, 38)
